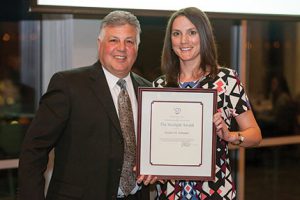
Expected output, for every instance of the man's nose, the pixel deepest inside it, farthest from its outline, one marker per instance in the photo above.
(121, 46)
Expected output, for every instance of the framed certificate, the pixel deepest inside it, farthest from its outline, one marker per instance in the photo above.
(176, 135)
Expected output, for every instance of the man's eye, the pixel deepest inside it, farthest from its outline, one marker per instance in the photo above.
(112, 40)
(130, 42)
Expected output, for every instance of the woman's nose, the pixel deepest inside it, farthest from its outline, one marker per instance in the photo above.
(184, 38)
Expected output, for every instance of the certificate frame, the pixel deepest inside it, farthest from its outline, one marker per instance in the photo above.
(176, 136)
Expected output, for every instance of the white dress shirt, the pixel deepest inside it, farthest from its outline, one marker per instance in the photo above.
(115, 90)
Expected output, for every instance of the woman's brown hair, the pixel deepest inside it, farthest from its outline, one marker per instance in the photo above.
(170, 61)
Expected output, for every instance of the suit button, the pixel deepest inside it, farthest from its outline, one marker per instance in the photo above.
(119, 169)
(113, 197)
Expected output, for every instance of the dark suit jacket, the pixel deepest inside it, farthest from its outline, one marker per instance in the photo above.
(78, 118)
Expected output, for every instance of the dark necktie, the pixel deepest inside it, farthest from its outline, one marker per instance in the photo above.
(128, 178)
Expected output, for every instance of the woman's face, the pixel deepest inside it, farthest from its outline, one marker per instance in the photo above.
(185, 39)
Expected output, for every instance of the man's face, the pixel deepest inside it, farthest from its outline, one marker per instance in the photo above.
(117, 49)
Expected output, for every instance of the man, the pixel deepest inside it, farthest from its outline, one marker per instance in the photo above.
(78, 117)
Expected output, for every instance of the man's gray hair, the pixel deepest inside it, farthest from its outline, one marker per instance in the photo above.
(118, 18)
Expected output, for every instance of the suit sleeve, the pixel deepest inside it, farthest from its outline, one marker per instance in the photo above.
(43, 133)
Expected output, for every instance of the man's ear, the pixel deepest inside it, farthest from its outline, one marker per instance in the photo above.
(98, 43)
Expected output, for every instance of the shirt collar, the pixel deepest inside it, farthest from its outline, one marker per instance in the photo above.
(112, 79)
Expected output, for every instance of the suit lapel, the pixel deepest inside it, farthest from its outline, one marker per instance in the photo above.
(101, 89)
(136, 83)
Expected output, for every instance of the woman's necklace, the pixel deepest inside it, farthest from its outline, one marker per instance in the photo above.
(190, 84)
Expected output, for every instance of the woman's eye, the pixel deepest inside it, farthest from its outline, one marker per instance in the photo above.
(175, 33)
(193, 32)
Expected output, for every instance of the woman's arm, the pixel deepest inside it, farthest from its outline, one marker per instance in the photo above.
(249, 133)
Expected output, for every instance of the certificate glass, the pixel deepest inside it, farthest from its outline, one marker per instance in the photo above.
(176, 135)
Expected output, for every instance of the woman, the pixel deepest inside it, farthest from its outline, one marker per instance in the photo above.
(189, 60)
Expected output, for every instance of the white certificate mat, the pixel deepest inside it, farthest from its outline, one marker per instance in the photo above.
(176, 134)
(176, 126)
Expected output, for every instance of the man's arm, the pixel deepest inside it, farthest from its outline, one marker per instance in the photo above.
(41, 137)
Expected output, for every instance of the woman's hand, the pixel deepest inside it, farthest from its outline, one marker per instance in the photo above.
(222, 130)
(147, 179)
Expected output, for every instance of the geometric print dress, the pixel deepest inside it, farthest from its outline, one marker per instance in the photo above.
(231, 101)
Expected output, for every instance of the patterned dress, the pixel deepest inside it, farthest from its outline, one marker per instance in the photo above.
(232, 101)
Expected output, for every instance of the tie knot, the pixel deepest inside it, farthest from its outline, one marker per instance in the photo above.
(122, 84)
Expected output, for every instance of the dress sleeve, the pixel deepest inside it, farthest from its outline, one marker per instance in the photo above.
(159, 82)
(236, 97)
